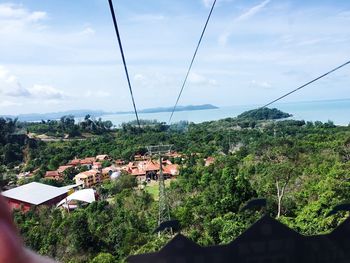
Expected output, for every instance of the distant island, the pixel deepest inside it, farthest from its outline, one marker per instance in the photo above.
(263, 114)
(180, 108)
(98, 113)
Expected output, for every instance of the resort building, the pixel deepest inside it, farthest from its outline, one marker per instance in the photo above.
(34, 194)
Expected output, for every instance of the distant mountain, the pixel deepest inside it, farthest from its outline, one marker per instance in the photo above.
(180, 108)
(98, 113)
(56, 115)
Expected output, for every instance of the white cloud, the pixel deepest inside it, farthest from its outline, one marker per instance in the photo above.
(244, 16)
(46, 92)
(15, 17)
(17, 12)
(97, 94)
(37, 16)
(88, 31)
(207, 3)
(199, 79)
(7, 103)
(262, 84)
(139, 77)
(10, 86)
(252, 11)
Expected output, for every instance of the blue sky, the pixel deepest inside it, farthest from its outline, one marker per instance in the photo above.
(62, 55)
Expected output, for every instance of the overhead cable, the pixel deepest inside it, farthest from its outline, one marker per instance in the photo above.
(123, 57)
(193, 58)
(306, 84)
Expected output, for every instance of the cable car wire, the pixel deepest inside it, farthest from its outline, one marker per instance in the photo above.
(193, 58)
(306, 84)
(123, 57)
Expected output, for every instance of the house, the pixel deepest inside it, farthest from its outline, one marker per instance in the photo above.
(174, 155)
(171, 170)
(53, 175)
(86, 196)
(88, 178)
(106, 173)
(97, 166)
(57, 175)
(103, 157)
(87, 161)
(74, 162)
(209, 161)
(151, 168)
(62, 168)
(119, 162)
(138, 157)
(34, 194)
(140, 174)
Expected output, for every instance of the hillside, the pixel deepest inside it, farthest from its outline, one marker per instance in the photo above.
(309, 160)
(263, 114)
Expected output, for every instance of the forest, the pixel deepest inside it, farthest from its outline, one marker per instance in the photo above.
(301, 168)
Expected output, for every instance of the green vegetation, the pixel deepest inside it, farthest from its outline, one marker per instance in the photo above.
(302, 168)
(66, 126)
(264, 114)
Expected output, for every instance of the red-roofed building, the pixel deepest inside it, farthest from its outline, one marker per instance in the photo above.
(102, 157)
(209, 161)
(171, 170)
(88, 178)
(54, 175)
(87, 161)
(151, 166)
(74, 162)
(119, 162)
(97, 165)
(174, 155)
(62, 168)
(140, 174)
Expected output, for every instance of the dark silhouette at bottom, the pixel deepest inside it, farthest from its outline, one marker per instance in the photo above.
(266, 241)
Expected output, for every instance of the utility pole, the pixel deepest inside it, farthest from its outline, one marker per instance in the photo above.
(163, 211)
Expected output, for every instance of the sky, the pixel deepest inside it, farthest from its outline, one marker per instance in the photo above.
(58, 55)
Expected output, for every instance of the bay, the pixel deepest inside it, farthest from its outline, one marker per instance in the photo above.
(337, 111)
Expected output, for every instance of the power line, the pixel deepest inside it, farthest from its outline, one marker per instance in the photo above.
(123, 57)
(306, 84)
(194, 56)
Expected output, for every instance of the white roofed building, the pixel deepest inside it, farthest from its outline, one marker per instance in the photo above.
(33, 194)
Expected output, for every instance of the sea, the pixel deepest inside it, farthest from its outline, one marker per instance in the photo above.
(337, 111)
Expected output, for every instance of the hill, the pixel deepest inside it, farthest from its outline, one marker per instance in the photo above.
(264, 114)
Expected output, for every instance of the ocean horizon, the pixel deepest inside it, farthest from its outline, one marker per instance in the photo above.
(337, 111)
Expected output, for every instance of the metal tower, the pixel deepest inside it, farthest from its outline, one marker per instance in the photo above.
(163, 212)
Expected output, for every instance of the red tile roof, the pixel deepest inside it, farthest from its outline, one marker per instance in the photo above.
(52, 174)
(151, 166)
(137, 172)
(172, 169)
(88, 160)
(74, 162)
(209, 161)
(62, 168)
